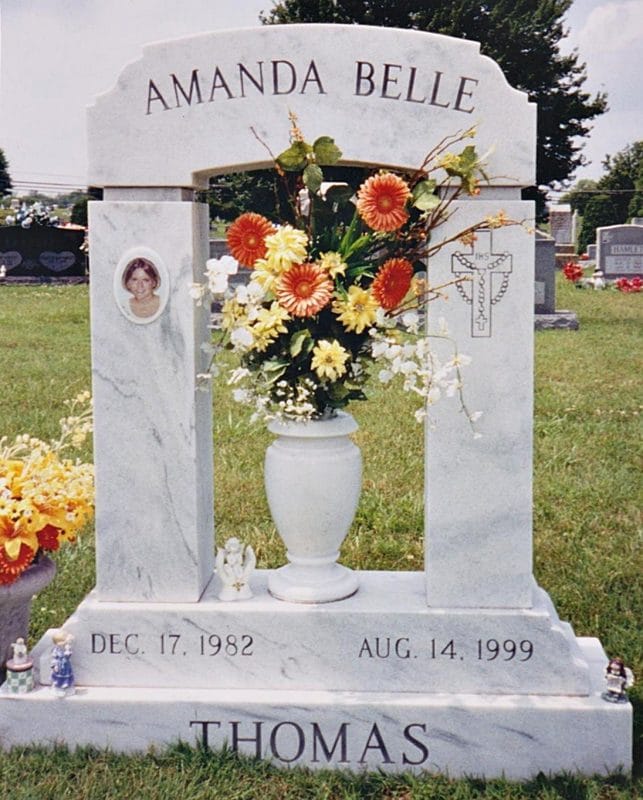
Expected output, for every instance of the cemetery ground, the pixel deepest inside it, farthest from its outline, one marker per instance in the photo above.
(587, 552)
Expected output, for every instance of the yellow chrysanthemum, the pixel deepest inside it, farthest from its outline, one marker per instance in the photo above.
(233, 314)
(333, 264)
(286, 246)
(329, 359)
(270, 323)
(357, 311)
(267, 272)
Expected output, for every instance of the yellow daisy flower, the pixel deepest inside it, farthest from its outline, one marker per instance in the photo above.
(333, 264)
(286, 246)
(357, 311)
(329, 359)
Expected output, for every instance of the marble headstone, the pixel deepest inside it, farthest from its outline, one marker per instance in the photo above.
(464, 668)
(620, 251)
(561, 221)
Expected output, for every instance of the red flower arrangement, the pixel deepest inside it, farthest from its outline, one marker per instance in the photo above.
(629, 285)
(572, 271)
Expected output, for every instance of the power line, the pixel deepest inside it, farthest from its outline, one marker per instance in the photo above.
(29, 175)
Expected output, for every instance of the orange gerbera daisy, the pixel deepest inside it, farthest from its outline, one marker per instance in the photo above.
(381, 202)
(392, 282)
(304, 289)
(11, 569)
(246, 237)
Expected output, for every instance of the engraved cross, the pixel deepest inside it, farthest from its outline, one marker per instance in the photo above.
(481, 264)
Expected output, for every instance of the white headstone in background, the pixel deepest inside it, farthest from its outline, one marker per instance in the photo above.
(483, 678)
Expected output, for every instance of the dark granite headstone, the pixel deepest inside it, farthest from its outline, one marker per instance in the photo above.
(620, 251)
(591, 252)
(42, 253)
(545, 315)
(545, 283)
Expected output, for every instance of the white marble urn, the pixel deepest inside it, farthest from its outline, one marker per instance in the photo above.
(313, 477)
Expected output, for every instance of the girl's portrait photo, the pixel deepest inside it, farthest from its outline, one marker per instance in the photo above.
(141, 286)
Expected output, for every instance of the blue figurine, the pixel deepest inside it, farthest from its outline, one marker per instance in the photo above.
(62, 675)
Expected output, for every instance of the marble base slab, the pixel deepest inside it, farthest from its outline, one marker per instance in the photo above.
(515, 736)
(558, 320)
(384, 636)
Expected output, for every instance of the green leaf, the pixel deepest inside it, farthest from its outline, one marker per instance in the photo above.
(273, 370)
(326, 151)
(424, 196)
(313, 177)
(295, 157)
(297, 341)
(357, 245)
(338, 195)
(468, 157)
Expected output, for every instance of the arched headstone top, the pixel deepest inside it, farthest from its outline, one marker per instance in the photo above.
(208, 103)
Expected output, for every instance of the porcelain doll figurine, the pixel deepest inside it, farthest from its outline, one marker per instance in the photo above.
(618, 678)
(62, 674)
(19, 669)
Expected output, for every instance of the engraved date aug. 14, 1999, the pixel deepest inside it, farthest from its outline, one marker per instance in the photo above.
(384, 647)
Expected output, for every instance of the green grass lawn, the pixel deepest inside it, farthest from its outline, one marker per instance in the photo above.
(587, 532)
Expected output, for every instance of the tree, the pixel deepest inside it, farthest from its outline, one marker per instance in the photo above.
(600, 210)
(580, 194)
(523, 36)
(612, 200)
(624, 179)
(79, 212)
(5, 178)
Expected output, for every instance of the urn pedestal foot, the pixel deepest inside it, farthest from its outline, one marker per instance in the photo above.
(298, 583)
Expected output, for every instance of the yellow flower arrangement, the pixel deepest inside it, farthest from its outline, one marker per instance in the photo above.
(336, 276)
(45, 498)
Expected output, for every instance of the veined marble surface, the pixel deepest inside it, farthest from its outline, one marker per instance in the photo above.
(189, 107)
(384, 638)
(514, 736)
(153, 427)
(478, 503)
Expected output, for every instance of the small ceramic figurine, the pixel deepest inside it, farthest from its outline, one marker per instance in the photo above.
(62, 675)
(618, 678)
(19, 670)
(597, 280)
(234, 567)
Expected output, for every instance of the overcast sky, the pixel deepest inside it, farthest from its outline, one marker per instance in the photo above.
(57, 55)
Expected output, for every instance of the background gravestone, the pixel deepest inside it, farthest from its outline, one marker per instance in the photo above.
(546, 316)
(562, 224)
(620, 251)
(42, 253)
(545, 283)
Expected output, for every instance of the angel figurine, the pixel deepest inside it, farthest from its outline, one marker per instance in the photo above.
(618, 678)
(234, 567)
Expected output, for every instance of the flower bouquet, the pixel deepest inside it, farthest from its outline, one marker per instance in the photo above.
(337, 282)
(45, 498)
